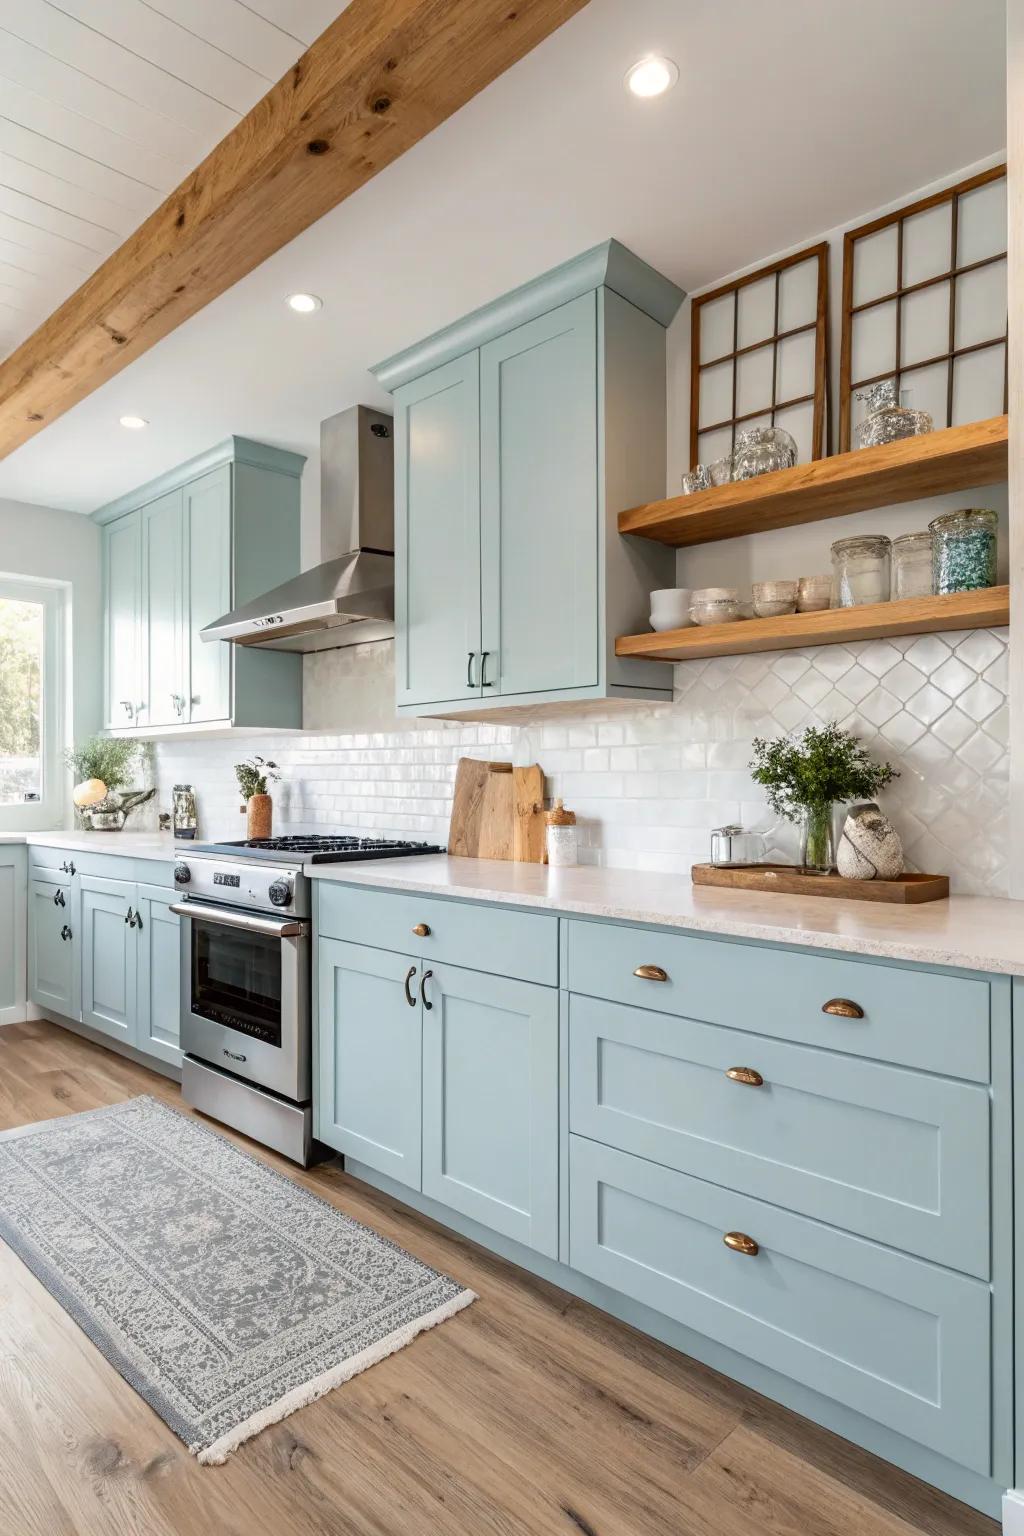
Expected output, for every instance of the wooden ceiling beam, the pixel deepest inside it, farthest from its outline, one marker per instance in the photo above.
(377, 81)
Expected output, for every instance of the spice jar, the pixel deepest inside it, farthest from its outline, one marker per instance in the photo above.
(860, 570)
(964, 550)
(912, 565)
(562, 836)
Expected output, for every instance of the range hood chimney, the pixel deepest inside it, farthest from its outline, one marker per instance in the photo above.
(349, 598)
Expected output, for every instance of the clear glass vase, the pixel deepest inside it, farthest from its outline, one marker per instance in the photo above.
(817, 841)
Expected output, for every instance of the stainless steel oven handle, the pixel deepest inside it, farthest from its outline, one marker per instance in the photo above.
(250, 922)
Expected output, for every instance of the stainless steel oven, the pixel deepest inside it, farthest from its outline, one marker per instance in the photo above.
(245, 994)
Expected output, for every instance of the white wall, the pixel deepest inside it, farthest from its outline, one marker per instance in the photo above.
(53, 545)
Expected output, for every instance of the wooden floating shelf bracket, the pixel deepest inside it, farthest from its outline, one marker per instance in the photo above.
(832, 626)
(951, 460)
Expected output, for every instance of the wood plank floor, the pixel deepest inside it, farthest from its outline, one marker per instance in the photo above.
(530, 1414)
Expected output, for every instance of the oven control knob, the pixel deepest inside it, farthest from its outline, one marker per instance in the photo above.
(280, 892)
(182, 874)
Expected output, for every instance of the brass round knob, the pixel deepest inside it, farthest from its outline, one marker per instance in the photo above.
(843, 1008)
(422, 931)
(748, 1075)
(651, 973)
(739, 1242)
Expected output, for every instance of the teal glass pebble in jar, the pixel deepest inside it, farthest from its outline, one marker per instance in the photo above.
(964, 550)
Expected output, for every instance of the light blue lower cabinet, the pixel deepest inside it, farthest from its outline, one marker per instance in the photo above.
(158, 975)
(892, 1154)
(368, 1068)
(490, 1102)
(109, 956)
(53, 945)
(900, 1340)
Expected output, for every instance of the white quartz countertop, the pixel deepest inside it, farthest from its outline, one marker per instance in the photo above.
(978, 933)
(130, 845)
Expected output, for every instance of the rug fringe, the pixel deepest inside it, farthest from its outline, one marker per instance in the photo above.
(216, 1455)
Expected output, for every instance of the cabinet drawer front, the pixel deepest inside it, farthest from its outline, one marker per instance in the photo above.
(51, 860)
(521, 944)
(914, 1018)
(895, 1155)
(897, 1339)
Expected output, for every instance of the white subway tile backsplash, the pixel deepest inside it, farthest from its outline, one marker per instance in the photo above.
(648, 782)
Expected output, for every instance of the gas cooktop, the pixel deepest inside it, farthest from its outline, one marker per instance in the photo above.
(315, 848)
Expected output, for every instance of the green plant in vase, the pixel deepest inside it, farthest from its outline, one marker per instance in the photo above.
(805, 775)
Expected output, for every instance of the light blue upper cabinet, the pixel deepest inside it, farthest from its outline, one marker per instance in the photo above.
(437, 534)
(122, 620)
(208, 533)
(512, 586)
(539, 492)
(165, 644)
(179, 553)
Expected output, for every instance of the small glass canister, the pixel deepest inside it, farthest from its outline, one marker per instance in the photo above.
(964, 550)
(562, 836)
(734, 848)
(912, 565)
(860, 570)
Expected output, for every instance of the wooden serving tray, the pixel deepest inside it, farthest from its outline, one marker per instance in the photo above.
(791, 880)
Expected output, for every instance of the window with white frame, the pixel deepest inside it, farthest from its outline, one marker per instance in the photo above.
(31, 703)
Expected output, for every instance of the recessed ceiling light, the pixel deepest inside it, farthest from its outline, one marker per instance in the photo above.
(134, 423)
(652, 76)
(304, 303)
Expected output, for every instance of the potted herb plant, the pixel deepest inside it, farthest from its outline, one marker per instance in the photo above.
(252, 776)
(806, 775)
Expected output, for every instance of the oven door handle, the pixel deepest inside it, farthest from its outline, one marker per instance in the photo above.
(250, 922)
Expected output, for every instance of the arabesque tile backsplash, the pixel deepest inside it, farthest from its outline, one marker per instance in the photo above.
(648, 782)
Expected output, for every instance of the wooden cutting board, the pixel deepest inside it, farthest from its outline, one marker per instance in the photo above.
(788, 880)
(497, 812)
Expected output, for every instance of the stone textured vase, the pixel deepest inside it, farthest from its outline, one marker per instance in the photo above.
(869, 848)
(259, 816)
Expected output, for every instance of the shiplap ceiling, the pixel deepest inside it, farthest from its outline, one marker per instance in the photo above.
(105, 105)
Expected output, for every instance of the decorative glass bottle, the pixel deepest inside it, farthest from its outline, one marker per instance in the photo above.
(562, 836)
(760, 450)
(890, 418)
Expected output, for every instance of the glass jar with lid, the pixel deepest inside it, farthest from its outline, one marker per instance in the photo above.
(964, 549)
(912, 565)
(760, 450)
(860, 570)
(890, 417)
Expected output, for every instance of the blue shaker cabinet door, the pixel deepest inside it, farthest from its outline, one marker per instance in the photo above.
(367, 1073)
(437, 535)
(541, 526)
(159, 975)
(490, 1101)
(122, 613)
(109, 955)
(52, 945)
(208, 534)
(163, 610)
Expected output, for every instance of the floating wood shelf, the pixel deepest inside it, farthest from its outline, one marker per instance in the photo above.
(950, 460)
(832, 626)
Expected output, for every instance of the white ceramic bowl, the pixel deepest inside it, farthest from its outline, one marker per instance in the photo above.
(670, 608)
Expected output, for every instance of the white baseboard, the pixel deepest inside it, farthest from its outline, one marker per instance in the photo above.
(16, 1014)
(1013, 1512)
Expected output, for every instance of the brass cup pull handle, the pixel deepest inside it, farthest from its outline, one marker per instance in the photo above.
(739, 1242)
(424, 999)
(748, 1075)
(843, 1008)
(651, 973)
(410, 973)
(422, 930)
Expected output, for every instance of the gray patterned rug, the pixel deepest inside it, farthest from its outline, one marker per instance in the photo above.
(224, 1293)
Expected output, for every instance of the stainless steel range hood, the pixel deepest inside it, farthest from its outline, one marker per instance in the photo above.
(349, 598)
